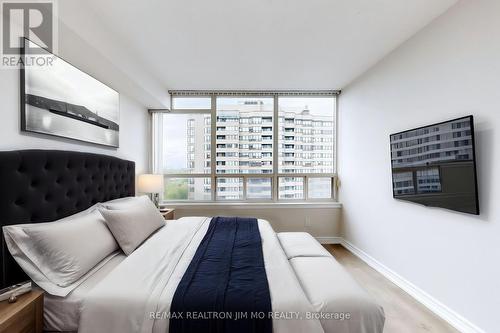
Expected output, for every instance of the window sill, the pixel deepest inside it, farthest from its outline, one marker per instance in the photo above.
(252, 205)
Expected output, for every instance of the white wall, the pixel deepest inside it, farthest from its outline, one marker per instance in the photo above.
(321, 222)
(134, 119)
(449, 69)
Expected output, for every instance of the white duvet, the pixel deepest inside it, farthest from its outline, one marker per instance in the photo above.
(136, 295)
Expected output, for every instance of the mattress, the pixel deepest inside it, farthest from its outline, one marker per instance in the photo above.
(302, 276)
(131, 300)
(62, 314)
(329, 287)
(346, 306)
(301, 244)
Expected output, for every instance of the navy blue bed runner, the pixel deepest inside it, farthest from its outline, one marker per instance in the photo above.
(224, 289)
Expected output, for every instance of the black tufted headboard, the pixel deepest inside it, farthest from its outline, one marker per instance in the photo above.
(46, 185)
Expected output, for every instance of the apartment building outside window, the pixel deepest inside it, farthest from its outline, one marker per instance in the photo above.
(247, 146)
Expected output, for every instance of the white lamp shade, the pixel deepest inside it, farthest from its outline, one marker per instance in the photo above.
(150, 183)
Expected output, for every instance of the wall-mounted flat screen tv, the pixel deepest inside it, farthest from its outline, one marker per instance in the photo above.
(435, 165)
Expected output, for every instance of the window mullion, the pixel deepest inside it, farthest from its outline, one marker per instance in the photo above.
(154, 144)
(334, 188)
(335, 145)
(213, 152)
(244, 187)
(274, 182)
(305, 188)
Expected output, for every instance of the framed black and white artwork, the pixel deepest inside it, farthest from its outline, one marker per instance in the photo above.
(59, 99)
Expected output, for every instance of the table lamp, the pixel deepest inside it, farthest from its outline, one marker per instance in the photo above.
(152, 185)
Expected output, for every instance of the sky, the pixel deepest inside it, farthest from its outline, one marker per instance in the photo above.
(175, 140)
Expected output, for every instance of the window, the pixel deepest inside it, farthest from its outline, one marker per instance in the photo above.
(306, 135)
(319, 188)
(237, 134)
(177, 189)
(239, 146)
(190, 103)
(183, 143)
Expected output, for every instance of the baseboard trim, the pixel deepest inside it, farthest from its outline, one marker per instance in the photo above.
(441, 310)
(329, 240)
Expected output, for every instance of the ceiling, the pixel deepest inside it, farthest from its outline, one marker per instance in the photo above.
(263, 44)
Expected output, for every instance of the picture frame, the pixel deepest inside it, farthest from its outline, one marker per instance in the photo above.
(60, 100)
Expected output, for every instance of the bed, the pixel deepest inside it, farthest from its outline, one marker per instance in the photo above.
(309, 291)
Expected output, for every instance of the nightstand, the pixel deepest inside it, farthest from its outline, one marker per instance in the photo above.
(168, 214)
(25, 315)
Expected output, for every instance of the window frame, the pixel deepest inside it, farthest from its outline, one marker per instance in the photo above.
(275, 175)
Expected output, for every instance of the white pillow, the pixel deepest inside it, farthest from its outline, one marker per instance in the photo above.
(132, 225)
(62, 251)
(124, 202)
